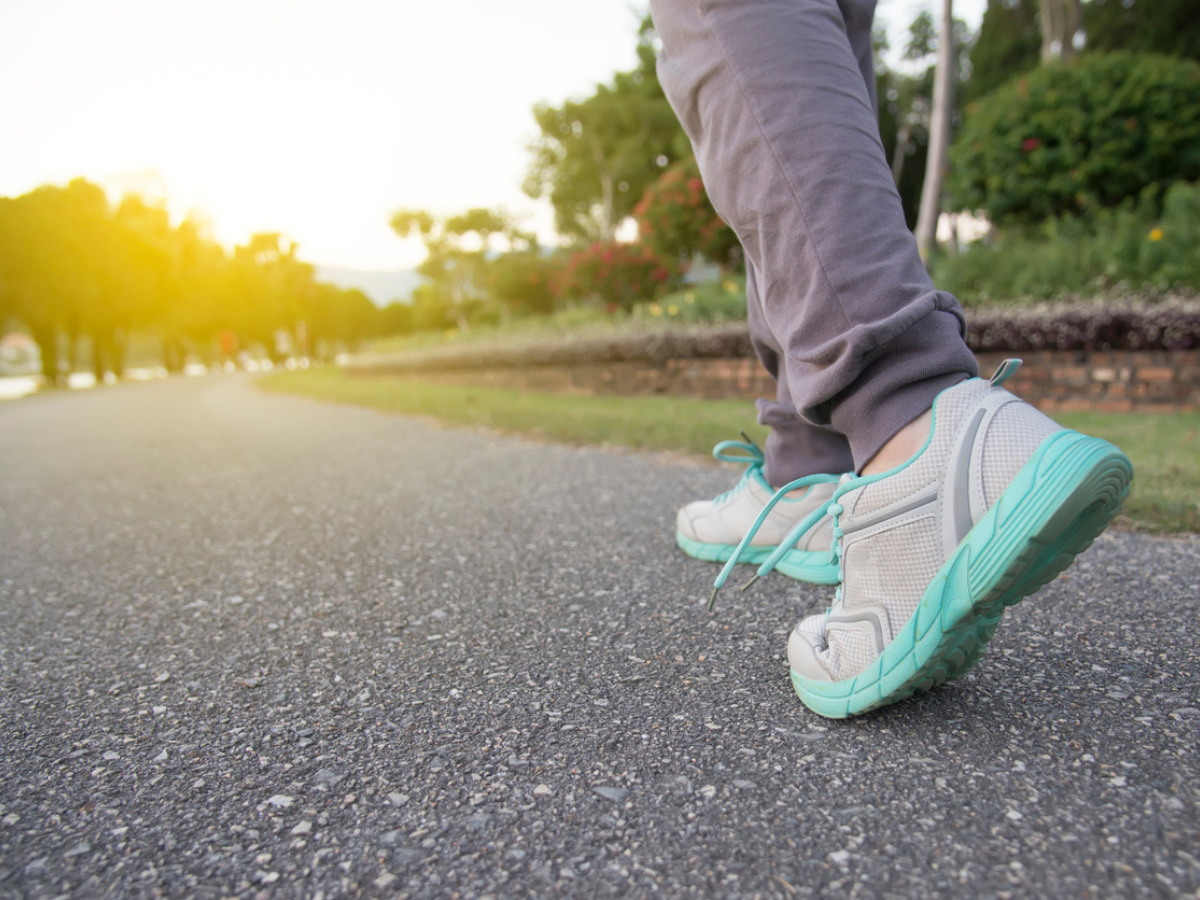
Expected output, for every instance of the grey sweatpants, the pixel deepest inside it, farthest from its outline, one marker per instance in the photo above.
(778, 99)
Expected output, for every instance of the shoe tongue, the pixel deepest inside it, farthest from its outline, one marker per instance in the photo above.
(756, 473)
(1005, 371)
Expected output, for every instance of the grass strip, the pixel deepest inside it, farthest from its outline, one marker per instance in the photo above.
(1165, 449)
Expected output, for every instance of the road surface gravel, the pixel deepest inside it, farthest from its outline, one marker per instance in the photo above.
(259, 646)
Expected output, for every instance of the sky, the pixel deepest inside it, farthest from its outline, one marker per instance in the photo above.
(315, 118)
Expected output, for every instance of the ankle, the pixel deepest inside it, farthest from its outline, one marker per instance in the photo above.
(902, 446)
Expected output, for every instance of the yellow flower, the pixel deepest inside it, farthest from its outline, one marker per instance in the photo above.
(655, 310)
(672, 310)
(730, 287)
(1156, 234)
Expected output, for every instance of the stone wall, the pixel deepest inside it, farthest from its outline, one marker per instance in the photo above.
(1113, 381)
(1118, 381)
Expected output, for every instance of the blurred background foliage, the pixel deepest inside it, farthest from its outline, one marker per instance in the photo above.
(1082, 153)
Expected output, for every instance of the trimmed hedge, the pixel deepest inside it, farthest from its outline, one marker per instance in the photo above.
(1170, 324)
(1149, 323)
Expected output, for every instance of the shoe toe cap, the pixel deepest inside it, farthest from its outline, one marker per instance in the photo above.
(803, 648)
(698, 522)
(690, 517)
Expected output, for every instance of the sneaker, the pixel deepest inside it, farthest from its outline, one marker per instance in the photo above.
(712, 529)
(998, 502)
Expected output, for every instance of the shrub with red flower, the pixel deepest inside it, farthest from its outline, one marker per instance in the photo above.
(677, 221)
(524, 281)
(1072, 140)
(618, 275)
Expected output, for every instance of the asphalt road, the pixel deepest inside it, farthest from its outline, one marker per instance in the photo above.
(254, 645)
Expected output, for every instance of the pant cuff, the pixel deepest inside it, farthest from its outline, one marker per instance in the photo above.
(901, 382)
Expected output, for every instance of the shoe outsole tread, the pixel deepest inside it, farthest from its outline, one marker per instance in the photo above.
(1059, 502)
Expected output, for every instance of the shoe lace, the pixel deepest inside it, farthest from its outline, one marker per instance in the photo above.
(747, 453)
(786, 544)
(846, 483)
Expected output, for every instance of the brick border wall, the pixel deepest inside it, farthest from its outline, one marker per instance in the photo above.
(1112, 381)
(1115, 381)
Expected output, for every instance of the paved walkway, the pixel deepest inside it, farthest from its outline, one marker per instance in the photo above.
(256, 645)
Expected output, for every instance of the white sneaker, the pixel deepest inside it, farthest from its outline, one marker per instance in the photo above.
(712, 529)
(998, 502)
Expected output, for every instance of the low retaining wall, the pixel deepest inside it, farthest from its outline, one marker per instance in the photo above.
(1114, 381)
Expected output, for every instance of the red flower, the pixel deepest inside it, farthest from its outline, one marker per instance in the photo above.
(1030, 144)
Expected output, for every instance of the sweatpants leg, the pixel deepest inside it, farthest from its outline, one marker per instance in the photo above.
(794, 447)
(774, 95)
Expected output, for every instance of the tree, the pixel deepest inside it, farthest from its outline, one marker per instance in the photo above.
(339, 317)
(905, 104)
(524, 281)
(1171, 27)
(1060, 20)
(595, 158)
(677, 222)
(939, 135)
(1008, 44)
(271, 290)
(456, 254)
(74, 267)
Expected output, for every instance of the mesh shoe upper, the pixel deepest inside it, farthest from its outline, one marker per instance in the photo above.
(726, 519)
(897, 531)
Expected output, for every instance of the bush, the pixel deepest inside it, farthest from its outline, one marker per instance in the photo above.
(524, 281)
(677, 221)
(1072, 138)
(617, 274)
(1144, 324)
(1151, 244)
(712, 301)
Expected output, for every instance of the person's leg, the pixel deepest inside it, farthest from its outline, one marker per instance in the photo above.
(773, 96)
(794, 447)
(711, 529)
(997, 499)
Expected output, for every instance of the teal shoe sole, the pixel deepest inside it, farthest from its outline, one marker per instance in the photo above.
(802, 565)
(1054, 508)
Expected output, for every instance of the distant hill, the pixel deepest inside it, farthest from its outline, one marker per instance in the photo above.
(381, 287)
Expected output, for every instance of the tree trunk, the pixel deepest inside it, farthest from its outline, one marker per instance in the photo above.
(172, 354)
(939, 135)
(99, 351)
(47, 341)
(73, 338)
(457, 300)
(120, 347)
(607, 226)
(1060, 21)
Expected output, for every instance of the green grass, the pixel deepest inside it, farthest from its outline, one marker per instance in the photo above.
(570, 322)
(645, 423)
(1165, 449)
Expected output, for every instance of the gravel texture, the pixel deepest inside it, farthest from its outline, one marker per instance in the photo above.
(256, 646)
